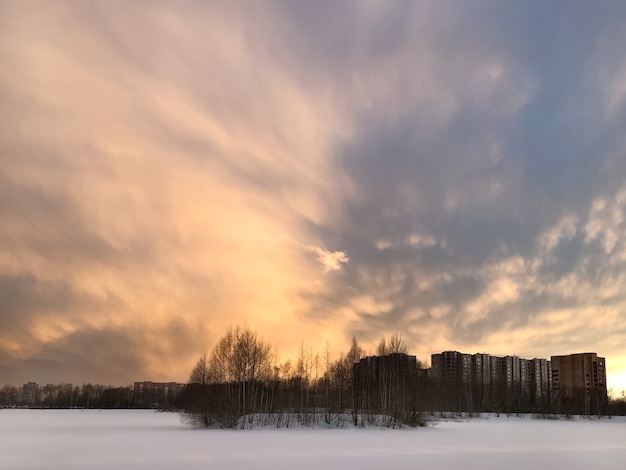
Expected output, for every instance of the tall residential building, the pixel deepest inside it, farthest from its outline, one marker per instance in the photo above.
(492, 382)
(539, 380)
(447, 367)
(579, 381)
(380, 380)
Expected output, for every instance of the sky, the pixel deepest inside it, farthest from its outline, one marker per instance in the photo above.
(315, 170)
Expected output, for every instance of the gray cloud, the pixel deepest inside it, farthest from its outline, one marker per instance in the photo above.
(518, 152)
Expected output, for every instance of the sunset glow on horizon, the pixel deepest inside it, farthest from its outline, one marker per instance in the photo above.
(453, 171)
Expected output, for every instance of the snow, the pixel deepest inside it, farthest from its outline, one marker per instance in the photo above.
(140, 439)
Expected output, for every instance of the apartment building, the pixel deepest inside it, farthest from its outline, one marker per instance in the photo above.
(379, 380)
(579, 381)
(493, 382)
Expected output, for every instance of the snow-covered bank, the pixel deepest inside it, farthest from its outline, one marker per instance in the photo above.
(85, 439)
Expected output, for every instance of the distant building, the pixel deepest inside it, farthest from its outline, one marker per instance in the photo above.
(579, 381)
(30, 393)
(539, 382)
(156, 394)
(482, 382)
(385, 382)
(447, 367)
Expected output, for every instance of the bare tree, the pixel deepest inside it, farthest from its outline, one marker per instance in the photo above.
(232, 383)
(354, 354)
(396, 344)
(240, 356)
(200, 373)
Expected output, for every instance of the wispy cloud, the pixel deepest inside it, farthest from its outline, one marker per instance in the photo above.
(331, 260)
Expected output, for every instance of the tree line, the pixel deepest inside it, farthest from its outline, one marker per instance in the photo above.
(66, 395)
(241, 384)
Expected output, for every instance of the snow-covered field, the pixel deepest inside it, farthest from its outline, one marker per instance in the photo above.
(92, 439)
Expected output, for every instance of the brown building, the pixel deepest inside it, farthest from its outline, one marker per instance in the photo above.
(579, 382)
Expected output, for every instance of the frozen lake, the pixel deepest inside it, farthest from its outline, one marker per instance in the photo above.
(86, 439)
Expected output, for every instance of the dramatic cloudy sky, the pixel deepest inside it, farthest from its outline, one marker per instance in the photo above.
(316, 170)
